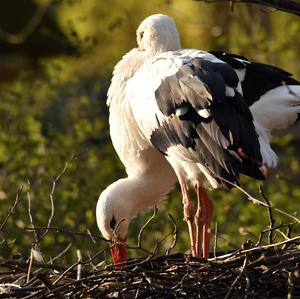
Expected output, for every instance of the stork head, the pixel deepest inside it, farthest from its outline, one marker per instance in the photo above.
(157, 34)
(113, 214)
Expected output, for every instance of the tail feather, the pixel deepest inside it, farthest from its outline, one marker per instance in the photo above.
(277, 108)
(268, 155)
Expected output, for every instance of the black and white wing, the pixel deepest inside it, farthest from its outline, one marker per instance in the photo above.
(271, 93)
(189, 108)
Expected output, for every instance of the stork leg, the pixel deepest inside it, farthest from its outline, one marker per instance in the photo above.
(203, 219)
(189, 215)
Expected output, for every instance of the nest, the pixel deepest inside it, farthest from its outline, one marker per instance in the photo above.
(253, 271)
(256, 272)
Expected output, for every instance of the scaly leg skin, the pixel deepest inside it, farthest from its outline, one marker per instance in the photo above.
(189, 215)
(203, 219)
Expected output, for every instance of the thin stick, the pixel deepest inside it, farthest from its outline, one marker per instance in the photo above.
(35, 236)
(257, 201)
(283, 234)
(174, 233)
(237, 278)
(29, 27)
(55, 181)
(30, 265)
(215, 239)
(76, 264)
(91, 236)
(60, 254)
(274, 228)
(13, 208)
(255, 249)
(139, 243)
(292, 7)
(288, 233)
(65, 231)
(79, 267)
(270, 215)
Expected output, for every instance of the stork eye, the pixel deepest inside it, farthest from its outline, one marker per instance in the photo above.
(141, 34)
(113, 223)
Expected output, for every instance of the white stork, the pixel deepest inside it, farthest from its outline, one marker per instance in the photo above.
(202, 118)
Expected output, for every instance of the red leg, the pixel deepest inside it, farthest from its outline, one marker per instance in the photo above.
(203, 219)
(189, 215)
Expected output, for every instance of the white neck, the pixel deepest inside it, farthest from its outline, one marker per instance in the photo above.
(139, 193)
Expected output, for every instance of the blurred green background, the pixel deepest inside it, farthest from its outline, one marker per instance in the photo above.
(56, 61)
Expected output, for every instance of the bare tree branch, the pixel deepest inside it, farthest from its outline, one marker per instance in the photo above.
(290, 6)
(29, 28)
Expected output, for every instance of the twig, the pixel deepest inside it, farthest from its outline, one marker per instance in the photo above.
(283, 234)
(13, 208)
(237, 278)
(139, 243)
(215, 239)
(65, 231)
(35, 236)
(91, 236)
(270, 215)
(60, 254)
(256, 249)
(117, 228)
(288, 233)
(174, 233)
(288, 180)
(158, 242)
(139, 248)
(257, 201)
(274, 228)
(55, 181)
(75, 265)
(79, 267)
(47, 282)
(30, 265)
(290, 6)
(29, 28)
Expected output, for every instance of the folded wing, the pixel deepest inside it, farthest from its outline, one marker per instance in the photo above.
(191, 109)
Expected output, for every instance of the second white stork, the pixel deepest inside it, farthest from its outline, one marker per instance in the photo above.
(197, 117)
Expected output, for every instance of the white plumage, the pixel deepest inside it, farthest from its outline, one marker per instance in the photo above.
(169, 121)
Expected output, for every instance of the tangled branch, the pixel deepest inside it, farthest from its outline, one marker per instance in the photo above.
(251, 271)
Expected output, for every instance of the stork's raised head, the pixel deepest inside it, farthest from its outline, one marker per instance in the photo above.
(113, 218)
(157, 34)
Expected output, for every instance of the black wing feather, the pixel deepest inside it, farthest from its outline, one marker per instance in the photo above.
(225, 142)
(259, 77)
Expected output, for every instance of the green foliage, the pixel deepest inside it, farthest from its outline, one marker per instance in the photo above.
(57, 114)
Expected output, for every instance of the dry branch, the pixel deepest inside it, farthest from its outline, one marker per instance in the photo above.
(290, 6)
(13, 208)
(54, 183)
(29, 28)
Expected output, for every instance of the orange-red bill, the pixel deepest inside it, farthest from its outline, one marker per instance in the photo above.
(118, 252)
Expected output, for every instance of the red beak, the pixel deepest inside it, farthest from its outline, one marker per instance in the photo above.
(118, 252)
